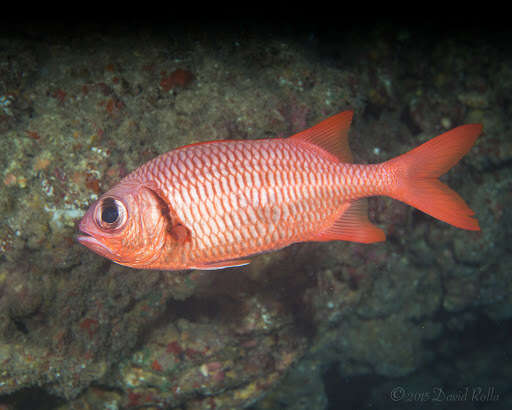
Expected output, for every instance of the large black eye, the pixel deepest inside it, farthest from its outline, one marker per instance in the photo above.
(111, 214)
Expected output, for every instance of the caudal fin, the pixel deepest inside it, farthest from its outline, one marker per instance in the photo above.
(418, 172)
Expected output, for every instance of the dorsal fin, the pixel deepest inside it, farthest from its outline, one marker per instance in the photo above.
(331, 135)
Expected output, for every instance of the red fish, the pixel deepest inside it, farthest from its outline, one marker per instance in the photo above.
(212, 205)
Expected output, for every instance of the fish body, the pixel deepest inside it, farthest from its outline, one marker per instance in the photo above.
(212, 205)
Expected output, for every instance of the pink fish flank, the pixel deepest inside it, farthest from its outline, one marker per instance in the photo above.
(212, 205)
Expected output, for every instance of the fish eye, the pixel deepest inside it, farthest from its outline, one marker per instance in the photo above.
(110, 214)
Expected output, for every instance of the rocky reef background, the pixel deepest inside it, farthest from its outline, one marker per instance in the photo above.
(420, 321)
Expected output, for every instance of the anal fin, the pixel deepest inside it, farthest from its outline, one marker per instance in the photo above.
(352, 225)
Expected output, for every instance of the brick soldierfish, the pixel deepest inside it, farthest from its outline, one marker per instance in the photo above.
(212, 205)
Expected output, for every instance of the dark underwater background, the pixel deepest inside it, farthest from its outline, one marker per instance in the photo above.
(421, 321)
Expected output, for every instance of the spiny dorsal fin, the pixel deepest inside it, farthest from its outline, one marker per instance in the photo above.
(331, 135)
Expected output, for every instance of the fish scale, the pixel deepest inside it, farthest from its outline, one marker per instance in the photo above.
(295, 207)
(212, 205)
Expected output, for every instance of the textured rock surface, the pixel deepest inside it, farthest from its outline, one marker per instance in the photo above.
(311, 326)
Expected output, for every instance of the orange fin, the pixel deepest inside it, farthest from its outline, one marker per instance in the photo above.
(353, 225)
(331, 135)
(417, 172)
(231, 263)
(180, 233)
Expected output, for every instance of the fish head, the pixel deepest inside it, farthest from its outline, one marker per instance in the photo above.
(128, 225)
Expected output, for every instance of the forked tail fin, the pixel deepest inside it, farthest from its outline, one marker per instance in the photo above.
(418, 171)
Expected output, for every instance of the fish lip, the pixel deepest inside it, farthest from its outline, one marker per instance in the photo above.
(94, 244)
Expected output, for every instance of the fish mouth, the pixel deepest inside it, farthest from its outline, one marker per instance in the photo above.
(94, 244)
